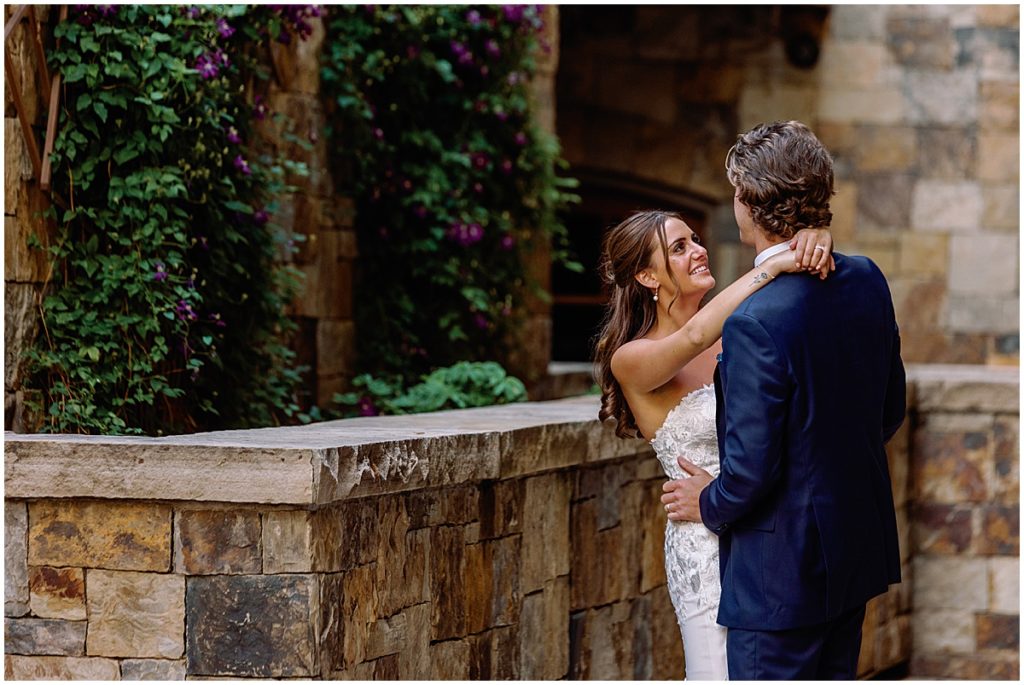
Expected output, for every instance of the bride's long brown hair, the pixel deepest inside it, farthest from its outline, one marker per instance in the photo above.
(631, 312)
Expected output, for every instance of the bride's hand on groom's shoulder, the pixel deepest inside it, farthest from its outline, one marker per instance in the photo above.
(682, 496)
(811, 249)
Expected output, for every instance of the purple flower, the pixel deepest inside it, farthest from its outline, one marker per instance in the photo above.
(203, 243)
(259, 108)
(492, 48)
(507, 242)
(107, 11)
(378, 133)
(480, 320)
(514, 78)
(160, 274)
(224, 29)
(185, 312)
(420, 212)
(261, 217)
(479, 160)
(520, 139)
(367, 407)
(192, 12)
(217, 321)
(458, 49)
(466, 234)
(473, 17)
(484, 70)
(242, 165)
(478, 188)
(206, 67)
(233, 135)
(502, 115)
(506, 166)
(513, 13)
(466, 58)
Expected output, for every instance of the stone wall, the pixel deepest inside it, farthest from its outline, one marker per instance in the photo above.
(522, 542)
(25, 270)
(965, 525)
(918, 103)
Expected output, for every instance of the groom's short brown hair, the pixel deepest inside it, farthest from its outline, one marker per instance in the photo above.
(784, 175)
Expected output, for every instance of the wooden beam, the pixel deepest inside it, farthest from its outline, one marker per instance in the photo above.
(14, 20)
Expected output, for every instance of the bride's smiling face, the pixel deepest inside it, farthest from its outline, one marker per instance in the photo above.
(687, 260)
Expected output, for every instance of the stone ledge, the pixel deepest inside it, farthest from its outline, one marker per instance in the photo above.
(965, 387)
(320, 463)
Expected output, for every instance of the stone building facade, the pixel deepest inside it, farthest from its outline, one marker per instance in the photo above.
(918, 104)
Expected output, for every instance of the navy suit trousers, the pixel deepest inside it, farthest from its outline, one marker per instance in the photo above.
(826, 651)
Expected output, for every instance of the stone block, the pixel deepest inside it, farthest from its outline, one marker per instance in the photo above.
(761, 102)
(1001, 207)
(152, 669)
(447, 568)
(592, 585)
(1000, 530)
(16, 588)
(982, 315)
(936, 98)
(335, 347)
(254, 626)
(993, 52)
(722, 85)
(866, 658)
(999, 107)
(1004, 585)
(885, 149)
(942, 630)
(858, 22)
(459, 504)
(17, 166)
(59, 668)
(21, 322)
(950, 467)
(44, 636)
(387, 636)
(113, 535)
(476, 585)
(414, 661)
(494, 654)
(998, 631)
(879, 105)
(21, 262)
(946, 206)
(401, 559)
(135, 614)
(924, 254)
(854, 63)
(545, 540)
(501, 507)
(449, 660)
(1006, 460)
(995, 256)
(605, 644)
(287, 541)
(942, 528)
(952, 583)
(543, 632)
(57, 592)
(883, 202)
(999, 157)
(998, 15)
(218, 541)
(964, 666)
(948, 153)
(921, 42)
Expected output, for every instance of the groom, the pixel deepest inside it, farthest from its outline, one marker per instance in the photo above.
(810, 385)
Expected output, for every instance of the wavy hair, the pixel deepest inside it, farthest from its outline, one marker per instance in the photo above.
(628, 249)
(784, 175)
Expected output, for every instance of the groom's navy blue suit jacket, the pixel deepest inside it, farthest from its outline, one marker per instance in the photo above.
(810, 386)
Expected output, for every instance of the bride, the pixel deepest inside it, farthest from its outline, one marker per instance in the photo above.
(655, 360)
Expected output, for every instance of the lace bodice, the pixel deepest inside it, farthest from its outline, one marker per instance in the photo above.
(689, 431)
(691, 550)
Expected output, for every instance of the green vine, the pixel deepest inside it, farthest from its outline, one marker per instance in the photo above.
(166, 307)
(455, 185)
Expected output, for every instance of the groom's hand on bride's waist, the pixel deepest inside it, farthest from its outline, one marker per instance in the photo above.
(682, 496)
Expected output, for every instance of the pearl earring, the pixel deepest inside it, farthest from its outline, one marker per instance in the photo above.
(656, 293)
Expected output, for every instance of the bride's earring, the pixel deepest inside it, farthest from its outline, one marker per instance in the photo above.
(656, 289)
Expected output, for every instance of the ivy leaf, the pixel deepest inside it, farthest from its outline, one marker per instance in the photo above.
(101, 111)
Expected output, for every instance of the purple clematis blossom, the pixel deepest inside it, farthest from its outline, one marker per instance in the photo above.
(242, 165)
(224, 29)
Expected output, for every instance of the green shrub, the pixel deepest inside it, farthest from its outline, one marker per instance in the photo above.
(166, 307)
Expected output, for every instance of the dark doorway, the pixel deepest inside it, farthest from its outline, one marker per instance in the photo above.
(579, 298)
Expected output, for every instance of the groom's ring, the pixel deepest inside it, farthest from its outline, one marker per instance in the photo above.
(819, 247)
(668, 507)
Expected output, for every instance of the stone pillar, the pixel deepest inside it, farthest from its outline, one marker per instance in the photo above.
(324, 220)
(26, 270)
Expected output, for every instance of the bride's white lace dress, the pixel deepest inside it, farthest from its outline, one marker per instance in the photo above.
(691, 550)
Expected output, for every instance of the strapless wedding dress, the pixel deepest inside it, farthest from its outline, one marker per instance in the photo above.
(691, 550)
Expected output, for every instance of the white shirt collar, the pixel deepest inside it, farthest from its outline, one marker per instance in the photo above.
(764, 255)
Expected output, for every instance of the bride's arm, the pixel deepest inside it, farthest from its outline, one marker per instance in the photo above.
(649, 364)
